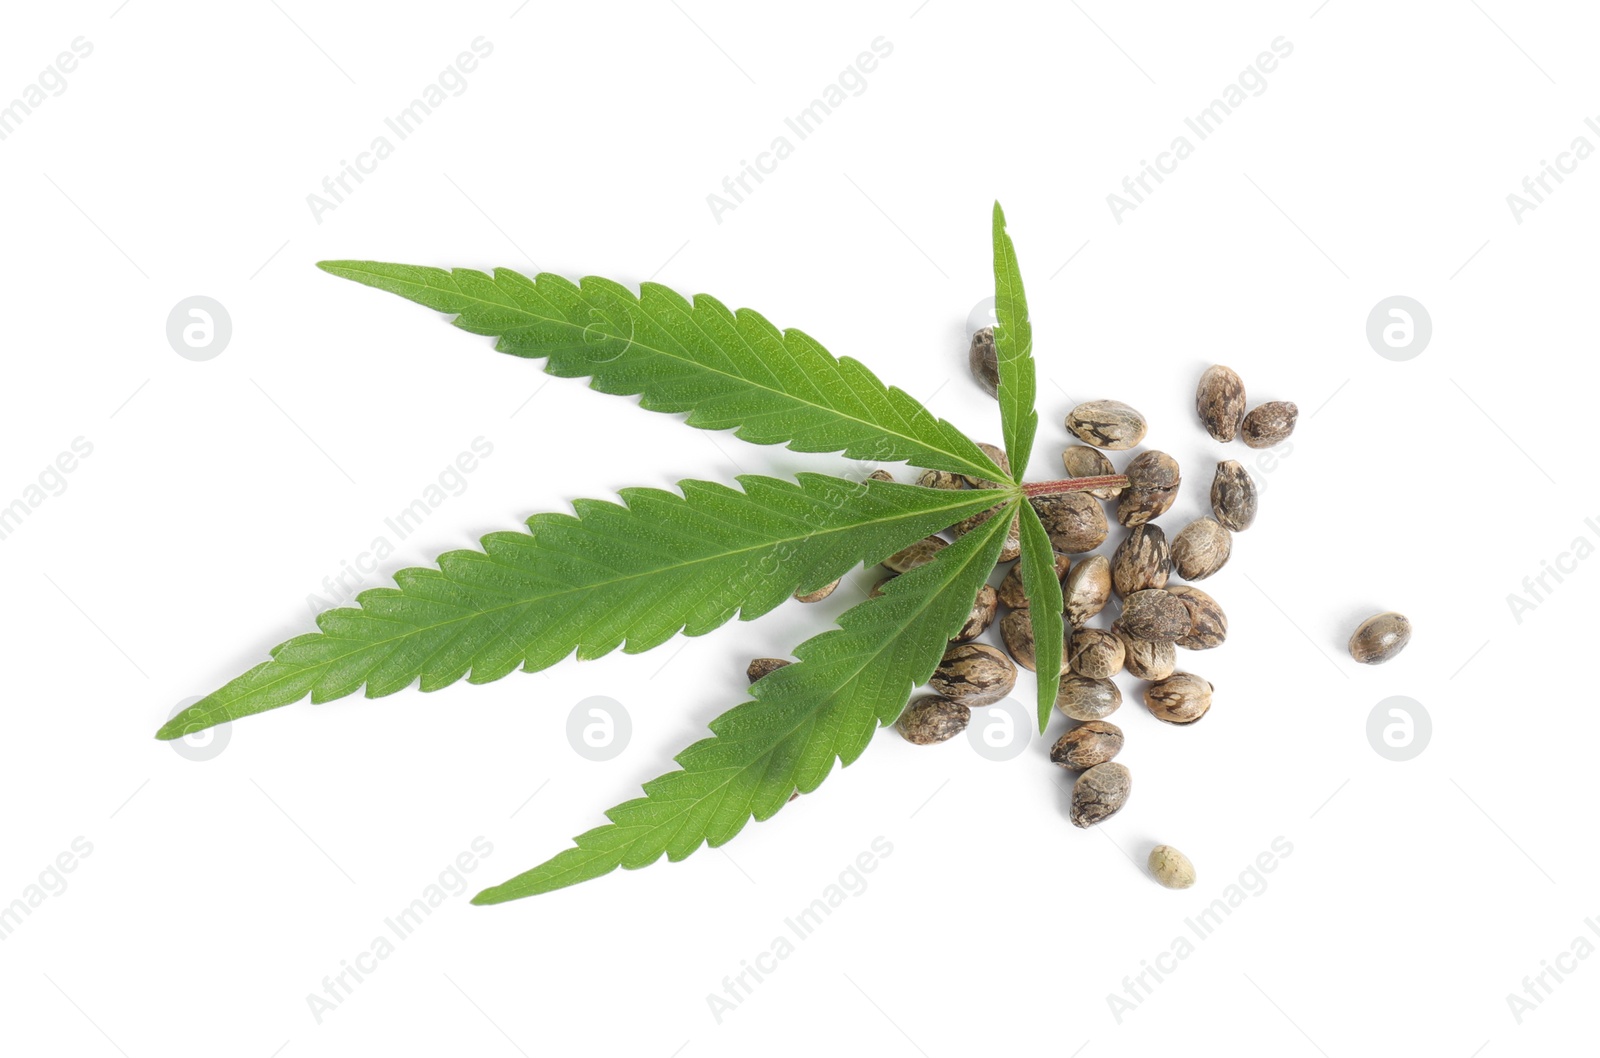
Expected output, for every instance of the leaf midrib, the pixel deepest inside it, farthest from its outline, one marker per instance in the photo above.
(416, 630)
(987, 473)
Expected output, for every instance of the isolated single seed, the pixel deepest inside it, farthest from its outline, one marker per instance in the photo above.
(1380, 638)
(1087, 745)
(1220, 402)
(1016, 632)
(1233, 496)
(1147, 659)
(1181, 698)
(1108, 424)
(1171, 868)
(1088, 588)
(763, 666)
(941, 479)
(1153, 482)
(880, 475)
(1208, 624)
(932, 719)
(1154, 614)
(975, 674)
(1011, 592)
(1269, 424)
(983, 611)
(1095, 652)
(1081, 461)
(1083, 698)
(1201, 548)
(984, 361)
(997, 454)
(918, 554)
(818, 595)
(1075, 521)
(1141, 561)
(1100, 793)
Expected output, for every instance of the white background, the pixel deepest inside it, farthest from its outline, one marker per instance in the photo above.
(219, 494)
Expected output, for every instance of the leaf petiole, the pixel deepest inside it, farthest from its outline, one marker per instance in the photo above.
(1056, 488)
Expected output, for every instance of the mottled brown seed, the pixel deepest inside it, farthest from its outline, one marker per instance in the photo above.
(1088, 588)
(1181, 698)
(1095, 653)
(1100, 793)
(1081, 461)
(1016, 632)
(918, 554)
(998, 455)
(1011, 592)
(1083, 698)
(983, 611)
(1147, 659)
(1201, 548)
(763, 666)
(932, 719)
(1153, 482)
(984, 361)
(818, 595)
(1208, 624)
(1155, 614)
(1108, 424)
(1011, 550)
(1269, 424)
(1087, 745)
(1380, 638)
(1220, 402)
(1142, 561)
(941, 479)
(1171, 868)
(975, 674)
(1013, 543)
(1233, 496)
(880, 475)
(1075, 521)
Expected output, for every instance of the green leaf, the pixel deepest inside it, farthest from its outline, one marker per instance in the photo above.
(824, 707)
(727, 370)
(1045, 605)
(611, 575)
(1013, 343)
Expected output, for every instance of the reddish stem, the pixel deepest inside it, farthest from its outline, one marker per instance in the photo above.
(1057, 488)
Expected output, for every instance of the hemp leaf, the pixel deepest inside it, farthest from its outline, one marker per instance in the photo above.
(635, 574)
(1013, 342)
